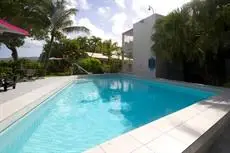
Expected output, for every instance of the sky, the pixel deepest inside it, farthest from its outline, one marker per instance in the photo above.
(107, 19)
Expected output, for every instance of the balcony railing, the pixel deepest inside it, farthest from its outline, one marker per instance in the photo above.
(128, 47)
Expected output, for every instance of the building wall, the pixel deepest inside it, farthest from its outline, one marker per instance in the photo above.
(127, 48)
(127, 67)
(142, 43)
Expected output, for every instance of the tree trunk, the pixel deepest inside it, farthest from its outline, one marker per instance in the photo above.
(109, 57)
(14, 53)
(48, 54)
(92, 53)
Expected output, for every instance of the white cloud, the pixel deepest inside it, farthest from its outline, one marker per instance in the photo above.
(120, 3)
(97, 31)
(79, 4)
(31, 48)
(32, 42)
(84, 4)
(104, 11)
(131, 12)
(93, 29)
(71, 3)
(119, 23)
(140, 7)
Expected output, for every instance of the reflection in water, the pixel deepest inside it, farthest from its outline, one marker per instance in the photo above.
(93, 110)
(141, 102)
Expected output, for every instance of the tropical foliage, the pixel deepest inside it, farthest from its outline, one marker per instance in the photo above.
(77, 48)
(81, 50)
(27, 14)
(59, 21)
(91, 65)
(65, 48)
(44, 19)
(198, 36)
(108, 47)
(94, 44)
(8, 68)
(59, 67)
(50, 20)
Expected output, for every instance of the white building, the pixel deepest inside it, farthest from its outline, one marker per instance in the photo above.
(136, 44)
(102, 57)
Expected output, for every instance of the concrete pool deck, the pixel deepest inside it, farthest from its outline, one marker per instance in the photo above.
(191, 129)
(16, 103)
(188, 130)
(26, 87)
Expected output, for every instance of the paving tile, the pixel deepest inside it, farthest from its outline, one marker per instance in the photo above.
(166, 123)
(202, 106)
(214, 113)
(220, 102)
(199, 124)
(96, 149)
(184, 134)
(13, 109)
(122, 144)
(143, 150)
(184, 114)
(145, 133)
(170, 134)
(1, 113)
(166, 144)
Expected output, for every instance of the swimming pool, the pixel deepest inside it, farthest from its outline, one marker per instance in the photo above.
(95, 109)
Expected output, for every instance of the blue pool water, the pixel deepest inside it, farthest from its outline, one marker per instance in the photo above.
(93, 110)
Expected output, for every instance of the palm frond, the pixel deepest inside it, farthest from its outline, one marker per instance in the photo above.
(76, 29)
(60, 3)
(67, 23)
(62, 15)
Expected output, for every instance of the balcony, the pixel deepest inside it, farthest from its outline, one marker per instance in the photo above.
(128, 47)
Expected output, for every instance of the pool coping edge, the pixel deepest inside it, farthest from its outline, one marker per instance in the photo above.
(18, 114)
(219, 105)
(216, 104)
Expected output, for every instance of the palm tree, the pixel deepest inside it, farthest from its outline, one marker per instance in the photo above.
(173, 36)
(196, 35)
(95, 44)
(59, 18)
(83, 43)
(108, 47)
(118, 52)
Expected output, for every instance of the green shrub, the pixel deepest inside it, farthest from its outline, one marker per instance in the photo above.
(106, 68)
(32, 65)
(40, 72)
(9, 68)
(5, 64)
(58, 66)
(115, 66)
(59, 74)
(5, 68)
(6, 71)
(92, 65)
(25, 64)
